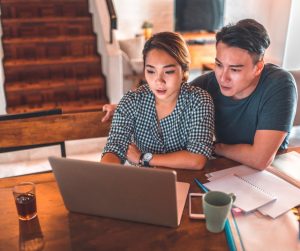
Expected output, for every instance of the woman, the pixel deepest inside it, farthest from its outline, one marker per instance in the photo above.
(165, 122)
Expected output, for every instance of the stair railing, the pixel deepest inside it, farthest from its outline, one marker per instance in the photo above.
(112, 18)
(111, 55)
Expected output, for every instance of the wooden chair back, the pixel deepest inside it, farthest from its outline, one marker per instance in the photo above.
(50, 129)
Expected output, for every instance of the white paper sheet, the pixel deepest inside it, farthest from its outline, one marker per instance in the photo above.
(260, 233)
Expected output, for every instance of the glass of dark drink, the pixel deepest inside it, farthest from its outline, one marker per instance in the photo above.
(24, 194)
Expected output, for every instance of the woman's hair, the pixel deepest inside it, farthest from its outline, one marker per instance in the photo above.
(173, 44)
(246, 34)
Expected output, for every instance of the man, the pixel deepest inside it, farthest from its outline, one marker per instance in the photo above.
(255, 104)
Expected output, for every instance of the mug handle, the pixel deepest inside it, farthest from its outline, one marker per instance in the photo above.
(233, 197)
(191, 215)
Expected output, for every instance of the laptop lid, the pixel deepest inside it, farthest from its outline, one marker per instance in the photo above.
(148, 195)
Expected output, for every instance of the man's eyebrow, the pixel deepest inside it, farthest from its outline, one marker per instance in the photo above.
(232, 65)
(236, 65)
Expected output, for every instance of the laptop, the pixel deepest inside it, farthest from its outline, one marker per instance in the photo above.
(147, 195)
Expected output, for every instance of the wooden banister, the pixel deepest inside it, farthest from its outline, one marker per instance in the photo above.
(112, 18)
(51, 129)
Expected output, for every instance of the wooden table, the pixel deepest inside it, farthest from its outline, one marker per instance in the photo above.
(57, 229)
(208, 66)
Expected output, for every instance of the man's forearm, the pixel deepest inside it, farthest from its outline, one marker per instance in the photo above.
(259, 155)
(245, 154)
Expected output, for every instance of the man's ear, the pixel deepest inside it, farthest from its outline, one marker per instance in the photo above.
(259, 67)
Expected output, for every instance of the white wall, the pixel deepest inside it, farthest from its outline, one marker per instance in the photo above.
(132, 13)
(277, 27)
(292, 56)
(266, 12)
(111, 58)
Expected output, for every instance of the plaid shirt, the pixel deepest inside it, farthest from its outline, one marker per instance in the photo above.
(189, 127)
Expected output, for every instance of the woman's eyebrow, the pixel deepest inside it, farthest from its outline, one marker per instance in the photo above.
(165, 66)
(170, 65)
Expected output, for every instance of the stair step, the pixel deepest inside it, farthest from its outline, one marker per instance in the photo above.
(50, 56)
(40, 8)
(57, 47)
(67, 107)
(20, 41)
(47, 27)
(18, 87)
(39, 1)
(52, 70)
(42, 20)
(44, 92)
(48, 62)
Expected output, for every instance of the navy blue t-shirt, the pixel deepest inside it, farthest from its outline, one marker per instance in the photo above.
(272, 106)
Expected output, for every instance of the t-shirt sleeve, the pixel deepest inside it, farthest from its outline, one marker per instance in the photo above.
(278, 109)
(122, 127)
(201, 127)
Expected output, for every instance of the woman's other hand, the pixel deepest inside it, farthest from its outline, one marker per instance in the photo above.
(110, 110)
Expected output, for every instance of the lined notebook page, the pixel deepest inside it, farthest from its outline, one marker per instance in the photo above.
(248, 196)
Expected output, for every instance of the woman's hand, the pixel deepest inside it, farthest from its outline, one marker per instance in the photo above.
(133, 154)
(110, 110)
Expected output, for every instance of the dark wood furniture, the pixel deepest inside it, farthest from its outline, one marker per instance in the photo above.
(202, 48)
(208, 66)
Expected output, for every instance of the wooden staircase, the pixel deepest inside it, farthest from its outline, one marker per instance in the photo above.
(50, 56)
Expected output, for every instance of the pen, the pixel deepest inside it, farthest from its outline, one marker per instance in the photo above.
(204, 188)
(228, 232)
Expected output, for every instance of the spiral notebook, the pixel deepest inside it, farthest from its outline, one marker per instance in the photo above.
(287, 195)
(249, 196)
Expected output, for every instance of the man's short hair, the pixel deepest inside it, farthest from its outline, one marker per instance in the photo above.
(246, 34)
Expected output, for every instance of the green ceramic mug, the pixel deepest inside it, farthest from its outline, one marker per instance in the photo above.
(216, 207)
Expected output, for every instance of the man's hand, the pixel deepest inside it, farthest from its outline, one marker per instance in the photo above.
(133, 154)
(110, 110)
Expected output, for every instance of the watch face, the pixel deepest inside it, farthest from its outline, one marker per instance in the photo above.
(147, 157)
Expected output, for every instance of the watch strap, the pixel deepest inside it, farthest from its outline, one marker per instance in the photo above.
(141, 159)
(146, 163)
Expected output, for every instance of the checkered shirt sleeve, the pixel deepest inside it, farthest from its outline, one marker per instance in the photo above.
(120, 135)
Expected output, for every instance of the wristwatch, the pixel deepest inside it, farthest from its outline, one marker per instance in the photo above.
(145, 159)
